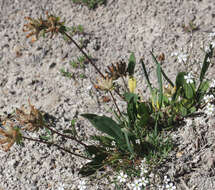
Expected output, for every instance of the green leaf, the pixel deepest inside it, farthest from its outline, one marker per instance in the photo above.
(91, 167)
(179, 83)
(132, 112)
(189, 90)
(146, 75)
(206, 64)
(159, 77)
(104, 140)
(127, 134)
(128, 96)
(105, 125)
(131, 64)
(183, 110)
(202, 90)
(192, 109)
(168, 80)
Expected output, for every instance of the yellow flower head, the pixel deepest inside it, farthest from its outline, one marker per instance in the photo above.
(132, 84)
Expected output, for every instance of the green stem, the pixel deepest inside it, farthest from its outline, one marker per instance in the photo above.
(115, 103)
(61, 148)
(88, 58)
(82, 51)
(65, 136)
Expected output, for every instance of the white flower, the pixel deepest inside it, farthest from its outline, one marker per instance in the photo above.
(93, 156)
(212, 35)
(122, 177)
(174, 54)
(182, 58)
(208, 98)
(207, 49)
(136, 185)
(212, 84)
(213, 44)
(143, 181)
(143, 161)
(208, 59)
(188, 78)
(143, 171)
(138, 141)
(170, 186)
(166, 179)
(82, 185)
(210, 109)
(113, 143)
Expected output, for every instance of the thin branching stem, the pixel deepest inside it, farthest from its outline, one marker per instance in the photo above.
(115, 103)
(123, 79)
(56, 145)
(65, 136)
(88, 58)
(83, 52)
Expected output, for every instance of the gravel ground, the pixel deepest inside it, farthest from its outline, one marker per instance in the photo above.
(31, 70)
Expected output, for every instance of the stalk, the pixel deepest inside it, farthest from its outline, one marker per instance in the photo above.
(56, 145)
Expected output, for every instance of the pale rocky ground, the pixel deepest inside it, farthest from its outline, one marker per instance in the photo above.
(112, 32)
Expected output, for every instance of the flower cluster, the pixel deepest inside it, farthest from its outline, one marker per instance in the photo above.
(31, 121)
(10, 135)
(168, 185)
(182, 58)
(36, 27)
(188, 78)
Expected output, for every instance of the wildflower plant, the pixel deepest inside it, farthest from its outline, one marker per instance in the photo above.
(136, 133)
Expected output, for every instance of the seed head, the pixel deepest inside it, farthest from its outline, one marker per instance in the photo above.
(31, 121)
(10, 135)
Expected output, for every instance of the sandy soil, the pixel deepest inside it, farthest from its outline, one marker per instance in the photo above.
(112, 32)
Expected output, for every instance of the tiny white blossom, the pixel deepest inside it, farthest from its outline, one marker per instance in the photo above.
(174, 54)
(210, 109)
(136, 185)
(213, 44)
(170, 186)
(122, 177)
(188, 78)
(113, 143)
(143, 181)
(212, 84)
(182, 58)
(208, 98)
(166, 179)
(82, 185)
(207, 49)
(138, 141)
(93, 156)
(143, 171)
(212, 35)
(208, 60)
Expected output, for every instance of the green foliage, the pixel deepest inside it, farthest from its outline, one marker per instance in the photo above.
(91, 4)
(139, 130)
